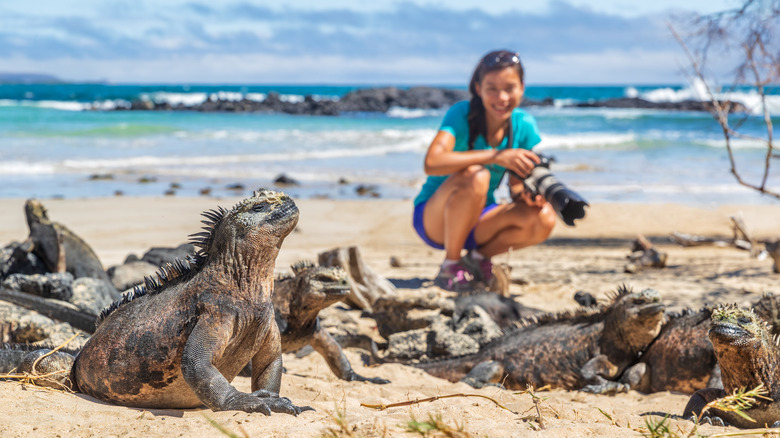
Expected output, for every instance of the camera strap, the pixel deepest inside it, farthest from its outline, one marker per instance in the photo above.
(510, 136)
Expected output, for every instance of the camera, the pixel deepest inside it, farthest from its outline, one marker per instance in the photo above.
(567, 203)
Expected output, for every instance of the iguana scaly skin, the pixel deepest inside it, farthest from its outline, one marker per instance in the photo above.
(587, 350)
(748, 356)
(680, 359)
(179, 342)
(298, 300)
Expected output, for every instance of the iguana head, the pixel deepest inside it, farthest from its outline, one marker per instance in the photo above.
(318, 286)
(635, 318)
(746, 352)
(260, 221)
(740, 329)
(35, 212)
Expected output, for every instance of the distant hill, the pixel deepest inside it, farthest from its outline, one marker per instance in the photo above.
(27, 78)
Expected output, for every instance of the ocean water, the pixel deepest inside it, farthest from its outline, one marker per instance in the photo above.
(63, 140)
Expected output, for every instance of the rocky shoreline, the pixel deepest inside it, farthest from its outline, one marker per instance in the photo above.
(380, 100)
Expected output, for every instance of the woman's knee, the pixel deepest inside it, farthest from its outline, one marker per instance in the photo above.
(546, 220)
(476, 177)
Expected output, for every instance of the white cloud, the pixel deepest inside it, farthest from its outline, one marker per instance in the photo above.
(413, 42)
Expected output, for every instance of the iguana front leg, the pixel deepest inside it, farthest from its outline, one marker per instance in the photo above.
(205, 344)
(324, 344)
(595, 374)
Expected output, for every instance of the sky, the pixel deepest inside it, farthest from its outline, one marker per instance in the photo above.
(344, 42)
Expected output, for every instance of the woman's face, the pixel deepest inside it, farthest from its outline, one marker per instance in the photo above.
(501, 92)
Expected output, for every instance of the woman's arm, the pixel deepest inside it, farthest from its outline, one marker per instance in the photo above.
(442, 159)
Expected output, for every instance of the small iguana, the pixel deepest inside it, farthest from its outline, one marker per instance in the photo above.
(52, 368)
(585, 350)
(748, 356)
(179, 342)
(298, 300)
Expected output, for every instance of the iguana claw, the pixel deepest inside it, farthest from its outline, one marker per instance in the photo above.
(264, 402)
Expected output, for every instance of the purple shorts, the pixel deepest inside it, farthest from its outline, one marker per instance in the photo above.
(417, 221)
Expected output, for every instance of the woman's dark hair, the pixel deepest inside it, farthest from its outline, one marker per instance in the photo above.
(493, 61)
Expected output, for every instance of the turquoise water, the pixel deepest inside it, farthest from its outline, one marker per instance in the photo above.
(53, 143)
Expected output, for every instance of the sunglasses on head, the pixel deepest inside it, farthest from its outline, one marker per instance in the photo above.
(493, 59)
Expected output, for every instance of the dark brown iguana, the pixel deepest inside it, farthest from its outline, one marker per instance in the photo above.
(680, 359)
(298, 300)
(179, 342)
(586, 350)
(748, 356)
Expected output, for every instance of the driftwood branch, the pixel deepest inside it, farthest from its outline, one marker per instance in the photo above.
(741, 239)
(382, 407)
(50, 308)
(644, 255)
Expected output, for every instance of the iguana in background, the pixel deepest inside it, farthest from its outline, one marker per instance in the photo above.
(586, 350)
(748, 356)
(53, 367)
(298, 300)
(180, 341)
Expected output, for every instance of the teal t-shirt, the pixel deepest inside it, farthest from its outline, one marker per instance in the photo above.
(525, 135)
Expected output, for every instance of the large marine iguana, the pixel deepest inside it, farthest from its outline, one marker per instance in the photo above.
(748, 355)
(584, 350)
(180, 341)
(298, 300)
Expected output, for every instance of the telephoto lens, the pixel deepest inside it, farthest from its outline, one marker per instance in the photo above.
(567, 203)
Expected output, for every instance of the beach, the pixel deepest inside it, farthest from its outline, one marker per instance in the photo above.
(589, 257)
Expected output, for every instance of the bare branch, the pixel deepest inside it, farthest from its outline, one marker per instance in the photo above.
(752, 26)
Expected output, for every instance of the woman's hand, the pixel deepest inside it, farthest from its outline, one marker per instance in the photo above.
(520, 194)
(519, 161)
(533, 201)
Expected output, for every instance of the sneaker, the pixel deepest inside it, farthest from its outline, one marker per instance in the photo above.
(481, 269)
(454, 278)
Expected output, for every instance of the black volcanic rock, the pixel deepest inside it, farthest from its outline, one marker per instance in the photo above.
(635, 102)
(380, 100)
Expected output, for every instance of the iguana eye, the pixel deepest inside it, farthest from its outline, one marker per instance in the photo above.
(259, 208)
(743, 320)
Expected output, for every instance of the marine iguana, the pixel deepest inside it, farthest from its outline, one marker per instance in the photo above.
(180, 341)
(584, 350)
(298, 300)
(748, 356)
(53, 369)
(682, 358)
